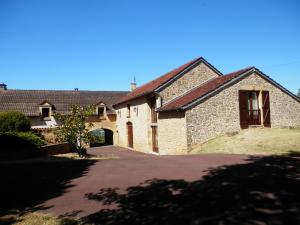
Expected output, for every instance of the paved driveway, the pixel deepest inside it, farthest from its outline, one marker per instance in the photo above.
(131, 169)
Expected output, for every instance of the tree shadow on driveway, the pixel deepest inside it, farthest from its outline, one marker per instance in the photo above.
(25, 185)
(265, 190)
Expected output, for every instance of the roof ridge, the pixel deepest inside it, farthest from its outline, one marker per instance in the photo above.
(236, 71)
(191, 61)
(162, 80)
(32, 90)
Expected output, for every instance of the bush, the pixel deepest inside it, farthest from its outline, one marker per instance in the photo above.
(13, 121)
(20, 140)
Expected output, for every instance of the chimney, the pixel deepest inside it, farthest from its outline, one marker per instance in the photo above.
(3, 87)
(133, 85)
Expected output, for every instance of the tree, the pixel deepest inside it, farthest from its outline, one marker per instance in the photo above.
(299, 93)
(74, 129)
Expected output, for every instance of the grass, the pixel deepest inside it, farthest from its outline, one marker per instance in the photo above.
(254, 141)
(40, 219)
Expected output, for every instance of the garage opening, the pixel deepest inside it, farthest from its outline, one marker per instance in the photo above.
(101, 137)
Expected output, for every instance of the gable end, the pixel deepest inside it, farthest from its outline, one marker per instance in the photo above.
(191, 67)
(236, 80)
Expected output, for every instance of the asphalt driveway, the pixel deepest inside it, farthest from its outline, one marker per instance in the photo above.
(131, 169)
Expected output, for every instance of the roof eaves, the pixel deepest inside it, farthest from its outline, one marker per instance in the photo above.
(134, 98)
(277, 85)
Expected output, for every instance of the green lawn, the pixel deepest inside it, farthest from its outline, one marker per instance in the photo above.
(39, 219)
(254, 141)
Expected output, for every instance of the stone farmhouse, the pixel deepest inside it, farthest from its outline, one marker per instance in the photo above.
(173, 113)
(196, 102)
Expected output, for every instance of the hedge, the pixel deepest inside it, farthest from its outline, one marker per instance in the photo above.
(20, 140)
(14, 121)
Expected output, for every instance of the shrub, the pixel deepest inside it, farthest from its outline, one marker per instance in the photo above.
(20, 140)
(14, 121)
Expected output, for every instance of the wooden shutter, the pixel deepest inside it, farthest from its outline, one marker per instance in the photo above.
(243, 98)
(266, 109)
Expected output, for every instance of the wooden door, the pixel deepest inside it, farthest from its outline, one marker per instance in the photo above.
(154, 139)
(130, 134)
(266, 109)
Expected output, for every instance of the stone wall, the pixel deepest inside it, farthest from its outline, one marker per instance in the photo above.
(220, 113)
(108, 122)
(140, 119)
(172, 137)
(198, 75)
(55, 149)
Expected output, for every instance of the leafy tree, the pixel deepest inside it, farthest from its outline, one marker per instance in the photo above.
(299, 93)
(14, 122)
(74, 129)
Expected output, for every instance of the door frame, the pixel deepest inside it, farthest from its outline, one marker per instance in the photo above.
(154, 139)
(129, 134)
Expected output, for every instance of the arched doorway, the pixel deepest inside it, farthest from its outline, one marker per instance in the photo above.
(101, 137)
(130, 134)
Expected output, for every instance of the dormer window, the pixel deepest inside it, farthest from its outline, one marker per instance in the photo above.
(45, 112)
(101, 111)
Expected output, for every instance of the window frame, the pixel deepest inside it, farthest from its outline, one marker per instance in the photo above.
(42, 108)
(102, 107)
(128, 110)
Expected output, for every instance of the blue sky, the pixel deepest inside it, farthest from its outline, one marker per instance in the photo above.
(101, 45)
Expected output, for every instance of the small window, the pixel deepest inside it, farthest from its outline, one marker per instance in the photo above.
(128, 110)
(101, 111)
(153, 112)
(46, 113)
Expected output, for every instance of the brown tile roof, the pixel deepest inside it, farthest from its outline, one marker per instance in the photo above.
(28, 101)
(150, 87)
(201, 90)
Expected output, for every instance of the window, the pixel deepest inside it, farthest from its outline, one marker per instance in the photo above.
(46, 113)
(101, 111)
(153, 112)
(250, 112)
(128, 110)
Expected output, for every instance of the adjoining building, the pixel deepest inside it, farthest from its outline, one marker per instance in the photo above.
(195, 103)
(40, 105)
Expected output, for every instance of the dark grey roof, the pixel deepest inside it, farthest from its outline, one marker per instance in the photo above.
(28, 101)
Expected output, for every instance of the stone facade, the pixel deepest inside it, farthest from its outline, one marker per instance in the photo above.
(172, 138)
(196, 76)
(140, 117)
(107, 122)
(180, 131)
(220, 113)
